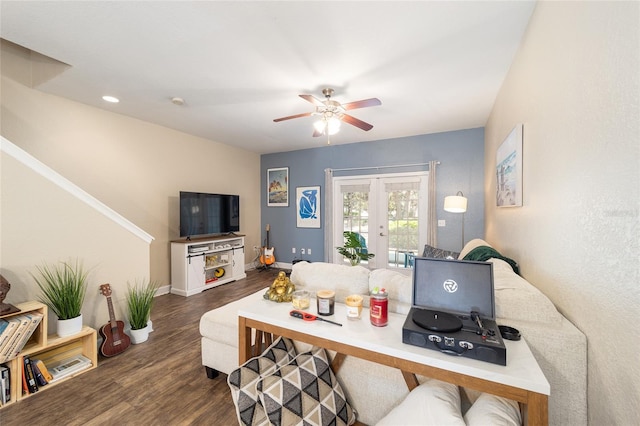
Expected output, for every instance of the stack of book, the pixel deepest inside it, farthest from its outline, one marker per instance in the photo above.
(15, 333)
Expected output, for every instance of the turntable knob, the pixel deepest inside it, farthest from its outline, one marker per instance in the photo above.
(466, 345)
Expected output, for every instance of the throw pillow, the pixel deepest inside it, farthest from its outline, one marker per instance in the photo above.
(433, 403)
(305, 392)
(436, 253)
(493, 410)
(242, 381)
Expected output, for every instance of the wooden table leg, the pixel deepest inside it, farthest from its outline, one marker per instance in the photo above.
(411, 380)
(537, 409)
(244, 341)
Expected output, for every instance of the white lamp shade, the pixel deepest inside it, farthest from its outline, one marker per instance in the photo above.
(455, 204)
(327, 126)
(333, 125)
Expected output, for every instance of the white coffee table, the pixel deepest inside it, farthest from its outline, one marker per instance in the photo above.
(520, 380)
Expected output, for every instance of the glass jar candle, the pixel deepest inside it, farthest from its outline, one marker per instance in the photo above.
(300, 299)
(354, 306)
(378, 307)
(326, 300)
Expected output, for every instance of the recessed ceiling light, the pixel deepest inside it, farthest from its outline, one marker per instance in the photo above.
(111, 99)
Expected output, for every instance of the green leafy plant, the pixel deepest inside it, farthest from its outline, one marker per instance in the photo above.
(139, 303)
(354, 248)
(63, 288)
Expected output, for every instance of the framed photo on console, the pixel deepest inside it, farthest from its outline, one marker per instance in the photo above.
(278, 187)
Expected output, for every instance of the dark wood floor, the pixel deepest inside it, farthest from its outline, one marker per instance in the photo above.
(159, 382)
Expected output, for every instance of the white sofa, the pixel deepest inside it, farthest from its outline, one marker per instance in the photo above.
(374, 390)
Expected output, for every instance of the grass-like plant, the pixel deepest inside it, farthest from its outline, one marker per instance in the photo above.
(354, 248)
(63, 288)
(139, 303)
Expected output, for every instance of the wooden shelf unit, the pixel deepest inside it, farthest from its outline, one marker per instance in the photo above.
(42, 347)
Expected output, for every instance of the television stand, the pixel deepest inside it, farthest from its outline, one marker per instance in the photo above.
(201, 263)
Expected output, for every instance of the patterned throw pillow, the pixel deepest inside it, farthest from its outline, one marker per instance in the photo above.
(305, 392)
(436, 253)
(242, 381)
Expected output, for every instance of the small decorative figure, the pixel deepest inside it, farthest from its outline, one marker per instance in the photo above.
(5, 308)
(281, 290)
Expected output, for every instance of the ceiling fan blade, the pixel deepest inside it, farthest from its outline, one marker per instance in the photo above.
(355, 122)
(362, 104)
(312, 99)
(304, 114)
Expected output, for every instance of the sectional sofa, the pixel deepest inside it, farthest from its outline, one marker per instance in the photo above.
(374, 390)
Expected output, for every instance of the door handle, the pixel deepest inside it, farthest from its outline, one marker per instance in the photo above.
(381, 234)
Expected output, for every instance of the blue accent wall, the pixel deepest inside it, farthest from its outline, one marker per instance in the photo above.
(461, 156)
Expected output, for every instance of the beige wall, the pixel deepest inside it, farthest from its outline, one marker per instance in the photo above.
(42, 223)
(134, 167)
(575, 86)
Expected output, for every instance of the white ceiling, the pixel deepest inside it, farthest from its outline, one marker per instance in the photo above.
(435, 65)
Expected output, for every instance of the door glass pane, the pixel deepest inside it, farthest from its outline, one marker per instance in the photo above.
(355, 215)
(402, 225)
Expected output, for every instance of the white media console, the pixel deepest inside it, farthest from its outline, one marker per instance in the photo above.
(202, 263)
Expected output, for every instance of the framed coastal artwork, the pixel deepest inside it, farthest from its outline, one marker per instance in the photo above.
(509, 170)
(278, 187)
(308, 207)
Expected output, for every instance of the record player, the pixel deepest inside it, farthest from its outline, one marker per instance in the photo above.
(453, 310)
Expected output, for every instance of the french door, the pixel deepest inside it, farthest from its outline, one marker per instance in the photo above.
(389, 211)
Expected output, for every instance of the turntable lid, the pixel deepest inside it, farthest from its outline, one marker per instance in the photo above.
(456, 286)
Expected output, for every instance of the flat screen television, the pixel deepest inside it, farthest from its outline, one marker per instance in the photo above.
(208, 214)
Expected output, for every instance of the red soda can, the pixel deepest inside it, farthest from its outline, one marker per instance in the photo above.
(379, 307)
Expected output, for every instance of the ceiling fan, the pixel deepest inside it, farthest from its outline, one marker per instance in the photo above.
(331, 113)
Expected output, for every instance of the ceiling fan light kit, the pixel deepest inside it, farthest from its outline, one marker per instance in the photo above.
(332, 113)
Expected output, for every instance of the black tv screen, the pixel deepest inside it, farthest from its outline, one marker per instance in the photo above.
(208, 214)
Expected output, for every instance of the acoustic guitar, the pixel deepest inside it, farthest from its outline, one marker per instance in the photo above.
(267, 257)
(114, 339)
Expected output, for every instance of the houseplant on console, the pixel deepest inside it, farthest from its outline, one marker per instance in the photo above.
(355, 248)
(139, 304)
(63, 288)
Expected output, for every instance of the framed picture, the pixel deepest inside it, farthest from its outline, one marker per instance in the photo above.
(278, 187)
(509, 170)
(308, 206)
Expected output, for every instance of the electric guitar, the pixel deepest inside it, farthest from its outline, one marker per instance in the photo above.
(114, 339)
(267, 257)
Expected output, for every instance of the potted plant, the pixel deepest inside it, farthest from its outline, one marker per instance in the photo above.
(355, 248)
(63, 288)
(139, 303)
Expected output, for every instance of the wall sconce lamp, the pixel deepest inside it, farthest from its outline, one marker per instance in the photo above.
(456, 204)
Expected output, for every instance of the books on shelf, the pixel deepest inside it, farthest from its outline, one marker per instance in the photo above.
(68, 366)
(5, 384)
(9, 327)
(32, 385)
(22, 328)
(43, 370)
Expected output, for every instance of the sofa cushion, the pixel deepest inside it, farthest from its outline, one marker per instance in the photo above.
(477, 242)
(493, 410)
(399, 287)
(433, 252)
(432, 403)
(242, 381)
(221, 324)
(517, 299)
(342, 279)
(305, 392)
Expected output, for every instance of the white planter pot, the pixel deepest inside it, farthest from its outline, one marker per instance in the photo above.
(69, 327)
(139, 336)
